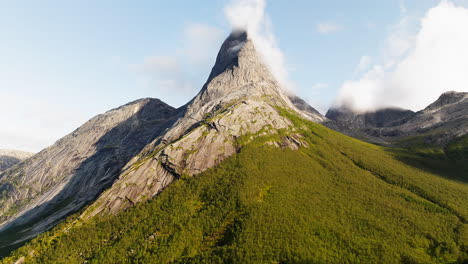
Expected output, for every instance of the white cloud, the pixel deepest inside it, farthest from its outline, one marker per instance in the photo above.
(327, 27)
(30, 122)
(364, 63)
(202, 42)
(166, 74)
(250, 15)
(319, 86)
(170, 76)
(416, 68)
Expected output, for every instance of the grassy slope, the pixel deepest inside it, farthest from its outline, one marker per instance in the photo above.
(338, 201)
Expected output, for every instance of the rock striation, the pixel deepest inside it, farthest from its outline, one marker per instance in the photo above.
(68, 175)
(240, 97)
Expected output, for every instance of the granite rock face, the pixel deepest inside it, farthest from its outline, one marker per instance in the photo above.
(9, 158)
(68, 175)
(438, 123)
(241, 97)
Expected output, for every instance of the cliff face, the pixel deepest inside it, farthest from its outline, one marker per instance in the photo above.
(240, 97)
(9, 158)
(64, 177)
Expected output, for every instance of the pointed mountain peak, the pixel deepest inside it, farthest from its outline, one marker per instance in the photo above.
(239, 51)
(238, 74)
(228, 54)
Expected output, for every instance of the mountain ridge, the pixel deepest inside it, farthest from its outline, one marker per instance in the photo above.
(439, 123)
(64, 177)
(138, 173)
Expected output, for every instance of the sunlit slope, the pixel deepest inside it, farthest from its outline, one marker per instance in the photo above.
(334, 200)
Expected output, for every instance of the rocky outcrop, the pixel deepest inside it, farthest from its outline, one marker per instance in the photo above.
(63, 178)
(240, 98)
(9, 158)
(439, 123)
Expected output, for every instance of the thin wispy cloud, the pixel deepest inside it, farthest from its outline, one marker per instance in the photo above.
(170, 76)
(313, 96)
(364, 63)
(320, 86)
(202, 41)
(327, 27)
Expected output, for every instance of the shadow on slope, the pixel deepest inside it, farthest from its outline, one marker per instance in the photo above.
(334, 200)
(113, 151)
(450, 162)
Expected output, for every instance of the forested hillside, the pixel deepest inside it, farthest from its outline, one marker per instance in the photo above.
(335, 199)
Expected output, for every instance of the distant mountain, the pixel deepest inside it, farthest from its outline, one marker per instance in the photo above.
(387, 117)
(437, 124)
(8, 158)
(243, 173)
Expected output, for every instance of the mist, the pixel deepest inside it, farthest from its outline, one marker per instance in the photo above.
(417, 68)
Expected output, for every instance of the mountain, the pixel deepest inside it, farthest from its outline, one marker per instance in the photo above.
(387, 117)
(9, 158)
(64, 177)
(133, 152)
(438, 124)
(334, 199)
(240, 97)
(243, 173)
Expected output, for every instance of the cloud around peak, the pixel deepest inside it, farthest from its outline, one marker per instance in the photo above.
(170, 76)
(415, 67)
(250, 15)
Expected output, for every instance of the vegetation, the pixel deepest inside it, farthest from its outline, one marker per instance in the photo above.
(338, 200)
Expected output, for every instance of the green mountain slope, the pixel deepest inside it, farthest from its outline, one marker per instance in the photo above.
(334, 200)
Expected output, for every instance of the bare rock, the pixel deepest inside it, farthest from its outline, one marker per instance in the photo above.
(68, 175)
(9, 158)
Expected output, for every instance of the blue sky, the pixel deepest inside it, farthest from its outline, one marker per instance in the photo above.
(65, 61)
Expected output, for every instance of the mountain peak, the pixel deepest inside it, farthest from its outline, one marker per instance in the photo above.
(239, 73)
(228, 54)
(448, 98)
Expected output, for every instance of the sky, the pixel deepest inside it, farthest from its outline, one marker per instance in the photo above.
(63, 62)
